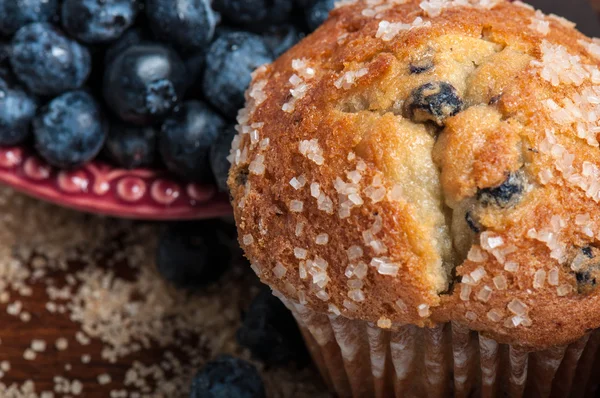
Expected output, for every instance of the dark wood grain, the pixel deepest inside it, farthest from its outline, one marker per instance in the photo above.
(124, 251)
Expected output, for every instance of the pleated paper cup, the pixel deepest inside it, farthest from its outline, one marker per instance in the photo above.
(358, 359)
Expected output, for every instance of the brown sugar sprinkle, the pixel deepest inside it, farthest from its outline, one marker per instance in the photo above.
(116, 309)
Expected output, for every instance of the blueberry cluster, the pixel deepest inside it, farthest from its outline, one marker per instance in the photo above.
(141, 83)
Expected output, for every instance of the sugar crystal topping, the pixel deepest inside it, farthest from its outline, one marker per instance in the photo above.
(539, 23)
(434, 8)
(348, 79)
(389, 30)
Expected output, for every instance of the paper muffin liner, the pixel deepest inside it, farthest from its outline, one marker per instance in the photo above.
(358, 359)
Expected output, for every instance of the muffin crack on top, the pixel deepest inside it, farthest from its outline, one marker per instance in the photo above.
(428, 161)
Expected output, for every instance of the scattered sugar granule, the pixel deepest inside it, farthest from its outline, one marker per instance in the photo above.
(423, 310)
(298, 182)
(350, 306)
(248, 240)
(517, 307)
(38, 345)
(563, 290)
(500, 282)
(61, 344)
(296, 206)
(299, 229)
(539, 23)
(334, 309)
(494, 315)
(279, 270)
(384, 323)
(471, 316)
(29, 354)
(322, 239)
(489, 240)
(593, 47)
(401, 305)
(539, 278)
(484, 294)
(348, 79)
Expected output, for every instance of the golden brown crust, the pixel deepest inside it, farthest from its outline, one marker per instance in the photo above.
(336, 111)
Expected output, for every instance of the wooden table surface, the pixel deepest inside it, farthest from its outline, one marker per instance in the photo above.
(100, 274)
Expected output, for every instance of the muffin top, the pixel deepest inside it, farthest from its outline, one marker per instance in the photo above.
(429, 161)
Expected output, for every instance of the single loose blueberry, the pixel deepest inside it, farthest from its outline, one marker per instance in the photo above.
(254, 13)
(270, 332)
(228, 377)
(144, 83)
(281, 38)
(317, 13)
(14, 14)
(70, 130)
(47, 61)
(131, 146)
(185, 140)
(187, 24)
(194, 254)
(129, 38)
(17, 109)
(506, 194)
(94, 21)
(434, 102)
(230, 61)
(218, 157)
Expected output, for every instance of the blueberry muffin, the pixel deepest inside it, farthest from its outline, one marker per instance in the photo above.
(427, 164)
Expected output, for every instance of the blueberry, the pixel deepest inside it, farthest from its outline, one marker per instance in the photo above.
(506, 194)
(422, 65)
(254, 13)
(218, 157)
(98, 21)
(472, 222)
(270, 332)
(70, 130)
(185, 140)
(131, 146)
(187, 24)
(4, 53)
(17, 109)
(194, 254)
(230, 61)
(144, 83)
(47, 61)
(317, 13)
(5, 50)
(588, 269)
(195, 69)
(129, 38)
(434, 102)
(228, 377)
(14, 14)
(280, 38)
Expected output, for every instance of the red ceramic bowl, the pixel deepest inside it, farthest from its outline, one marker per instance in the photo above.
(100, 188)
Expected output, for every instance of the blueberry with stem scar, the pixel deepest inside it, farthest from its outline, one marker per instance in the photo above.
(433, 102)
